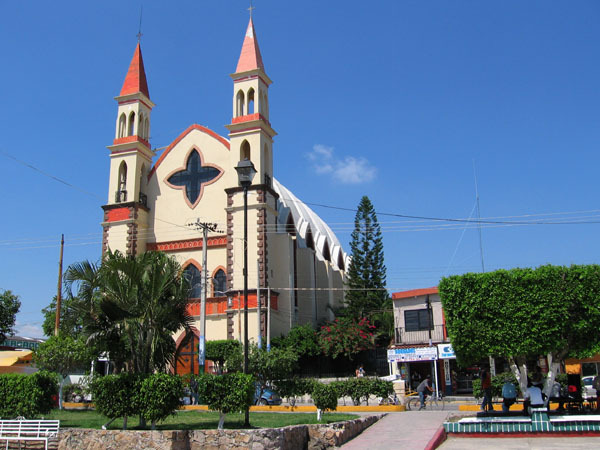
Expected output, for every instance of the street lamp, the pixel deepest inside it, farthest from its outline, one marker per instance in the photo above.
(246, 172)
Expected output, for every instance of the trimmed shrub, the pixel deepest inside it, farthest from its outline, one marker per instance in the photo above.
(158, 396)
(27, 395)
(325, 397)
(229, 393)
(115, 395)
(294, 387)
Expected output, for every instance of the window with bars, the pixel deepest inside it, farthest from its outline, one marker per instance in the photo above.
(418, 320)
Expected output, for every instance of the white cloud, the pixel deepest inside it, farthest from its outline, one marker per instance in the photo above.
(349, 170)
(28, 330)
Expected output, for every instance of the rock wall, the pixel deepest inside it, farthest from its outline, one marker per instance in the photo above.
(298, 437)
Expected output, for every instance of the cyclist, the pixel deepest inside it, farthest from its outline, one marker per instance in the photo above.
(422, 390)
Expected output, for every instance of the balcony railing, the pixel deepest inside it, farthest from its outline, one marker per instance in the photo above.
(421, 336)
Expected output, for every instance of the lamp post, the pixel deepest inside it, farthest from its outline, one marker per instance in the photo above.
(246, 172)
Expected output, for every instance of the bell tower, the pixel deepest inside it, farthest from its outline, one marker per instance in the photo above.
(250, 132)
(126, 211)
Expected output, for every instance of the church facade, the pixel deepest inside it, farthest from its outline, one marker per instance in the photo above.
(296, 264)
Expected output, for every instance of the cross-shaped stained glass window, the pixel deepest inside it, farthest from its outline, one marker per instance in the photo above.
(193, 177)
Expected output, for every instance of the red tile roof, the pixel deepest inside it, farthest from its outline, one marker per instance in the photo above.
(250, 58)
(135, 81)
(415, 293)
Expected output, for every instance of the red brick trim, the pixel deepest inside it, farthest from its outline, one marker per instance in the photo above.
(187, 244)
(129, 139)
(115, 215)
(249, 118)
(191, 128)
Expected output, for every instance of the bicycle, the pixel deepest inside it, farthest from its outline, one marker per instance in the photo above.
(390, 400)
(433, 402)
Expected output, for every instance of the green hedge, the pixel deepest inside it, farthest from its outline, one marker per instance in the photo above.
(27, 395)
(153, 397)
(497, 383)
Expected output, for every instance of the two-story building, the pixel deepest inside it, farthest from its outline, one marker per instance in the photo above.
(421, 345)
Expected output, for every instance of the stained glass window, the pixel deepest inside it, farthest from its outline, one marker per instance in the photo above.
(194, 279)
(193, 176)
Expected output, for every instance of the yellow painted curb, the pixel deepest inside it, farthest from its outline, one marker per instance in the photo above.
(194, 408)
(275, 408)
(386, 408)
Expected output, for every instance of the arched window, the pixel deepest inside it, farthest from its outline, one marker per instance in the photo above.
(147, 129)
(265, 108)
(122, 125)
(239, 109)
(326, 252)
(245, 151)
(194, 279)
(131, 124)
(340, 262)
(141, 125)
(220, 283)
(251, 101)
(289, 226)
(310, 242)
(122, 184)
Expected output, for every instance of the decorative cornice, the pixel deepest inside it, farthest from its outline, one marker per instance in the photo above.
(187, 244)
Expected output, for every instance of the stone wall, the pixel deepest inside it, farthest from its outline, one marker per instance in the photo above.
(310, 437)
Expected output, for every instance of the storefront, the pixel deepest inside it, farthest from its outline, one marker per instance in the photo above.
(413, 364)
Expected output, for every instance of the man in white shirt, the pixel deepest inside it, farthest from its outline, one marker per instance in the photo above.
(533, 398)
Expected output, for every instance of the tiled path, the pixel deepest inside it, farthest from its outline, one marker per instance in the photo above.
(406, 430)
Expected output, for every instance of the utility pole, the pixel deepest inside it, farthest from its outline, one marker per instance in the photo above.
(205, 227)
(59, 291)
(269, 319)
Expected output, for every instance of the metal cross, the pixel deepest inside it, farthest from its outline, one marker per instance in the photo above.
(139, 35)
(251, 9)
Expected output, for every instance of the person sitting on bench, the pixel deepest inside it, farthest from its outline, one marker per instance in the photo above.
(532, 399)
(509, 395)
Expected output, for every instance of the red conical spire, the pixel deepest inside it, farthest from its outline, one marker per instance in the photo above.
(250, 58)
(135, 81)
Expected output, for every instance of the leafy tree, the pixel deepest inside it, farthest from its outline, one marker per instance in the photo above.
(346, 336)
(27, 395)
(519, 313)
(63, 354)
(302, 339)
(133, 306)
(9, 307)
(366, 272)
(116, 396)
(220, 351)
(229, 393)
(158, 396)
(71, 317)
(325, 398)
(265, 366)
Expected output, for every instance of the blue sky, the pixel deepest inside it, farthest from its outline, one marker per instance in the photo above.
(392, 99)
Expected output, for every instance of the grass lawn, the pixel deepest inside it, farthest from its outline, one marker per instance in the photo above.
(195, 420)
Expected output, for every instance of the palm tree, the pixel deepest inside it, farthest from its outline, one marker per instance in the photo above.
(133, 306)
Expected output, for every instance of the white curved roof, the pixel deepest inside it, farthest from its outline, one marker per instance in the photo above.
(305, 219)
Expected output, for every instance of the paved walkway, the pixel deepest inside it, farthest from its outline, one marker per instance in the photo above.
(406, 430)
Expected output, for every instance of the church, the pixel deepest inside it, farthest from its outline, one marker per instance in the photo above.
(296, 265)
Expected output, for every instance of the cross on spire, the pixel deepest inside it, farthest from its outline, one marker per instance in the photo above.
(139, 35)
(252, 8)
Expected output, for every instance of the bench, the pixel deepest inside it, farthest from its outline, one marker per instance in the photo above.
(21, 429)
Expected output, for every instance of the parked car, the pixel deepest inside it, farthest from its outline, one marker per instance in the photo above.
(588, 390)
(268, 397)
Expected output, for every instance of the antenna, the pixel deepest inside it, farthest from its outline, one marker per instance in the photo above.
(478, 218)
(139, 35)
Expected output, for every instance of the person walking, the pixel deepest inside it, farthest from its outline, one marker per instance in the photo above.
(486, 385)
(422, 390)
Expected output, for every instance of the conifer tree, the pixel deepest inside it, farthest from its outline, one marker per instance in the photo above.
(366, 273)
